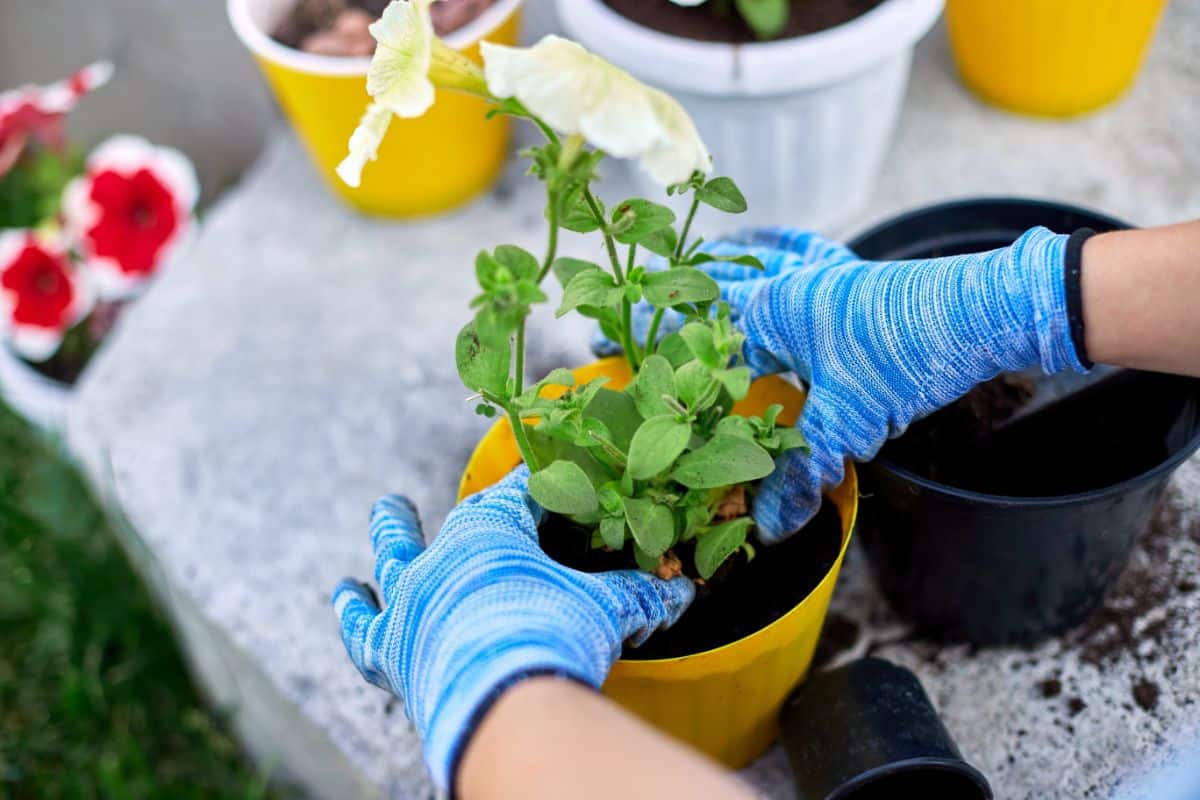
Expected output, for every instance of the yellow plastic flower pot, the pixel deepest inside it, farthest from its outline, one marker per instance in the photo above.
(725, 701)
(425, 165)
(1050, 57)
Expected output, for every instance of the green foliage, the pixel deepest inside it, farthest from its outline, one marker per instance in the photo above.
(95, 699)
(648, 467)
(31, 192)
(767, 18)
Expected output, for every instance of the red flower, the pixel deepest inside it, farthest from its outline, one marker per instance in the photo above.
(40, 293)
(129, 211)
(37, 112)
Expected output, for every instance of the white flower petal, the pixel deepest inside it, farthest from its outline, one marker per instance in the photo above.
(364, 143)
(398, 76)
(574, 91)
(684, 152)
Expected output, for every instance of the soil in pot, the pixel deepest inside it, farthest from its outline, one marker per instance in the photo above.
(705, 23)
(743, 597)
(966, 447)
(339, 27)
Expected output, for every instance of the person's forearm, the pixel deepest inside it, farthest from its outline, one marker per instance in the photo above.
(552, 738)
(1141, 298)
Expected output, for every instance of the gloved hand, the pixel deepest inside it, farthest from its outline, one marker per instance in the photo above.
(483, 608)
(881, 344)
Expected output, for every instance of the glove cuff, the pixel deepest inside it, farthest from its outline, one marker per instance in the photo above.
(1074, 288)
(1042, 255)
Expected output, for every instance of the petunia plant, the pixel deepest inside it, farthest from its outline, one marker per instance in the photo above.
(79, 236)
(665, 461)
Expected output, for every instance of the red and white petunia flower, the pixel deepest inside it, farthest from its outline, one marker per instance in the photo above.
(37, 112)
(130, 210)
(41, 293)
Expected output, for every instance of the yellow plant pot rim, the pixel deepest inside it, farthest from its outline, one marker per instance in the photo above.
(262, 45)
(633, 667)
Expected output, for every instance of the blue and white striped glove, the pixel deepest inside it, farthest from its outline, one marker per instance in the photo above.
(483, 608)
(881, 344)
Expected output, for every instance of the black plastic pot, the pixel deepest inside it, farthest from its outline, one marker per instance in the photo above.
(867, 731)
(1040, 521)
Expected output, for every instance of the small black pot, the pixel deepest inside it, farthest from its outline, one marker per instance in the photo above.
(867, 731)
(1041, 520)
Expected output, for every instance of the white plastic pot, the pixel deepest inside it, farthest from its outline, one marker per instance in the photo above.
(801, 124)
(40, 400)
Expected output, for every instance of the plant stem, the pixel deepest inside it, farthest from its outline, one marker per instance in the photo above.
(552, 244)
(652, 335)
(687, 226)
(522, 437)
(627, 343)
(519, 361)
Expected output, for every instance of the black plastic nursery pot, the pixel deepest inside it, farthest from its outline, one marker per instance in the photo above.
(867, 731)
(1019, 535)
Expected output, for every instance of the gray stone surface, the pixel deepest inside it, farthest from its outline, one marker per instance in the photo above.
(298, 363)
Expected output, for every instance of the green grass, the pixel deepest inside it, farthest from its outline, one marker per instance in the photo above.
(94, 697)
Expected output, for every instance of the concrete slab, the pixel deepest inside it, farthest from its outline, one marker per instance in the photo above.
(298, 363)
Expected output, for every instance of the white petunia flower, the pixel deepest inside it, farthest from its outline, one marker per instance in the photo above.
(364, 144)
(577, 92)
(409, 62)
(398, 78)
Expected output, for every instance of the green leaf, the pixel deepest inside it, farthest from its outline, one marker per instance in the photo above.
(610, 500)
(735, 380)
(736, 425)
(645, 561)
(696, 386)
(719, 543)
(494, 325)
(565, 269)
(520, 262)
(722, 193)
(551, 448)
(680, 285)
(482, 367)
(791, 439)
(619, 414)
(564, 488)
(656, 445)
(578, 217)
(662, 242)
(767, 18)
(612, 531)
(655, 379)
(745, 259)
(652, 525)
(699, 339)
(590, 287)
(486, 270)
(726, 460)
(675, 350)
(635, 219)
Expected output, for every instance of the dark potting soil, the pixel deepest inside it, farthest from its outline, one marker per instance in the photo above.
(1087, 441)
(741, 598)
(707, 23)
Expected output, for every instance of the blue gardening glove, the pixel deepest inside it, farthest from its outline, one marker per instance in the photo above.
(482, 608)
(881, 344)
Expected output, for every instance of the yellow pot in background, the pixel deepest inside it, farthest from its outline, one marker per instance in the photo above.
(1050, 57)
(726, 701)
(425, 165)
